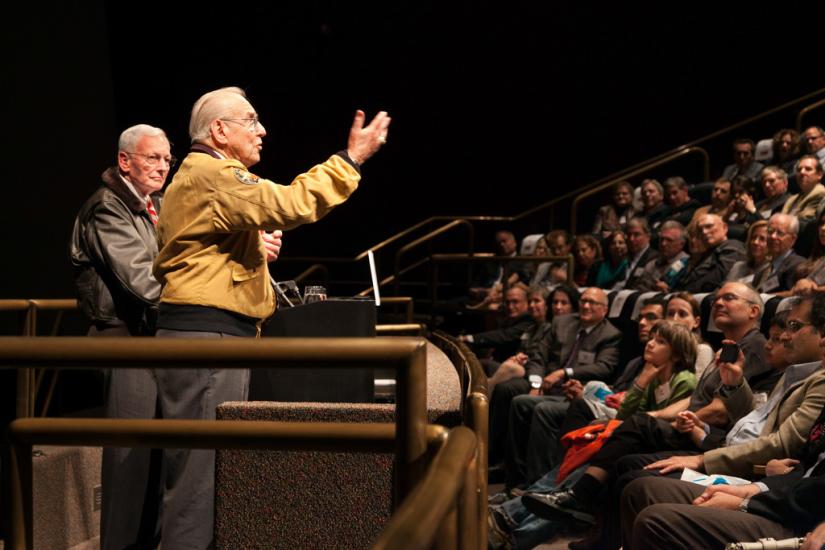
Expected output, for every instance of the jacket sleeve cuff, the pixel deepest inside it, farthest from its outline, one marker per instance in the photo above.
(343, 154)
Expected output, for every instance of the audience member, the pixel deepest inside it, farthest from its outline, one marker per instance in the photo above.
(506, 339)
(564, 300)
(663, 272)
(757, 258)
(778, 275)
(612, 217)
(814, 138)
(587, 253)
(720, 201)
(743, 161)
(684, 309)
(811, 273)
(653, 206)
(711, 268)
(677, 196)
(775, 189)
(787, 148)
(804, 205)
(535, 422)
(641, 253)
(614, 267)
(513, 367)
(489, 277)
(583, 346)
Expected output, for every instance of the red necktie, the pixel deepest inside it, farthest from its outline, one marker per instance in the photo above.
(153, 214)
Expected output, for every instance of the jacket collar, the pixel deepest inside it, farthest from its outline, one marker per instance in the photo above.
(112, 180)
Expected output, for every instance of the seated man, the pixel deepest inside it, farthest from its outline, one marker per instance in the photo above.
(583, 346)
(489, 275)
(668, 513)
(678, 198)
(506, 339)
(775, 189)
(743, 161)
(709, 271)
(534, 422)
(776, 429)
(663, 272)
(720, 199)
(640, 252)
(779, 274)
(654, 209)
(805, 204)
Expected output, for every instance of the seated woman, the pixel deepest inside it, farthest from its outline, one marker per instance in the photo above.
(684, 309)
(787, 148)
(587, 253)
(614, 267)
(757, 255)
(612, 217)
(812, 271)
(545, 274)
(669, 358)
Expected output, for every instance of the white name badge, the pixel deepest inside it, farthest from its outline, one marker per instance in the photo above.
(771, 283)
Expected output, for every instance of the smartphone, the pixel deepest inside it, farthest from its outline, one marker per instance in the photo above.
(730, 353)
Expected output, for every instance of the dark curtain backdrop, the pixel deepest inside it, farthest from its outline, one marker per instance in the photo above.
(495, 108)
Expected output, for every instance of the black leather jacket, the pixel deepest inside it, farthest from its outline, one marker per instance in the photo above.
(112, 249)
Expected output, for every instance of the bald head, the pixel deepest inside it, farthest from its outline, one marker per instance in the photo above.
(712, 230)
(592, 307)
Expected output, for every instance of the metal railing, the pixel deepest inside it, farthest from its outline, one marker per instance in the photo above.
(444, 506)
(204, 434)
(593, 190)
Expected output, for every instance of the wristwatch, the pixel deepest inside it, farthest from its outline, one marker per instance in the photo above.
(535, 381)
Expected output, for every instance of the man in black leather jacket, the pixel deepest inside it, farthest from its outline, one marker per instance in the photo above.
(112, 249)
(114, 242)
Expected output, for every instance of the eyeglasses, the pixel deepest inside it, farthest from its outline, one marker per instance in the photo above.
(729, 297)
(811, 138)
(154, 160)
(591, 303)
(794, 325)
(250, 124)
(779, 233)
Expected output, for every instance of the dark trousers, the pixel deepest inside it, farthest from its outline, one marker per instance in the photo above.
(657, 514)
(503, 395)
(533, 437)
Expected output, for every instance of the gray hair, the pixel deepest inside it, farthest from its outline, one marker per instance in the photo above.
(130, 136)
(655, 184)
(752, 296)
(793, 222)
(209, 107)
(639, 222)
(673, 224)
(676, 181)
(776, 171)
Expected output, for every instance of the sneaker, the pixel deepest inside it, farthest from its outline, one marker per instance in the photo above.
(559, 506)
(498, 498)
(498, 535)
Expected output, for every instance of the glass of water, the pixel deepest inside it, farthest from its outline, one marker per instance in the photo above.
(314, 294)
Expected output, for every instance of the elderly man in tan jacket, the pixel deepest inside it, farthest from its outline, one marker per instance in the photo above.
(804, 204)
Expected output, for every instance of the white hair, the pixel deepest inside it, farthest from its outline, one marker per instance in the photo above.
(209, 107)
(793, 222)
(130, 136)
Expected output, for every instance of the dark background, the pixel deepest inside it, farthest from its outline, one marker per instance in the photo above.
(495, 108)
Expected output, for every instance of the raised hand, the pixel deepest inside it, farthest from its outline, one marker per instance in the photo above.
(365, 141)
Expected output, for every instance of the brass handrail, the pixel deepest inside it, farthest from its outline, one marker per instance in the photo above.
(406, 355)
(401, 329)
(310, 270)
(428, 237)
(194, 434)
(436, 259)
(444, 502)
(581, 195)
(406, 300)
(805, 110)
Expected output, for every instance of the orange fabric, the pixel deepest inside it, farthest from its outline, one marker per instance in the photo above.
(582, 444)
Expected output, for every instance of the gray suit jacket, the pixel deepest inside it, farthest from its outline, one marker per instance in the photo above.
(598, 351)
(780, 279)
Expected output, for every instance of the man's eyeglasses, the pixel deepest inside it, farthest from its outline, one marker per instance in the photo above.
(154, 160)
(729, 297)
(250, 124)
(811, 138)
(794, 325)
(591, 303)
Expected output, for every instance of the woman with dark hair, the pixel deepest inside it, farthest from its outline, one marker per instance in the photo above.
(614, 267)
(787, 148)
(612, 217)
(587, 253)
(563, 300)
(757, 254)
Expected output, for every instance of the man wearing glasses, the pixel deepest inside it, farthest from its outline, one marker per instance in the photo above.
(213, 270)
(814, 138)
(112, 249)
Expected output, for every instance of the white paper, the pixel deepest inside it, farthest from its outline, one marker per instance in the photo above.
(714, 479)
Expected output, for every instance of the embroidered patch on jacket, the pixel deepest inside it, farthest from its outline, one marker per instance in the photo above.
(246, 177)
